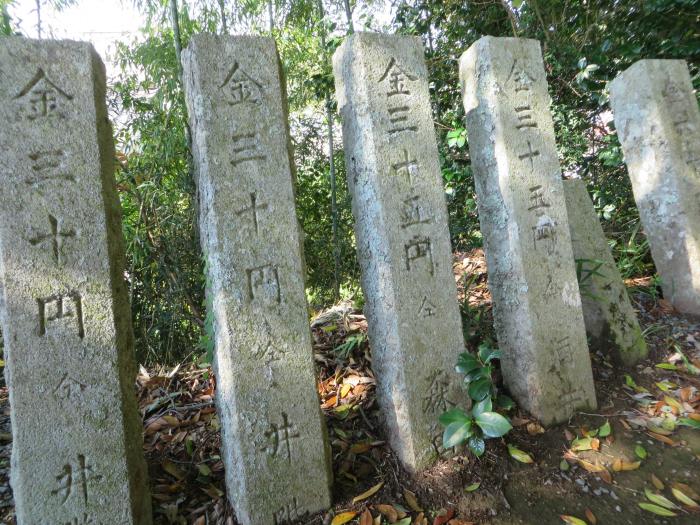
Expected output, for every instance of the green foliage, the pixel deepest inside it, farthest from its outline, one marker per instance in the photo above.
(352, 342)
(474, 426)
(476, 320)
(158, 197)
(585, 45)
(5, 20)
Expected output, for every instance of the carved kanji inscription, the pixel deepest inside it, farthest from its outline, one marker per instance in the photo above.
(419, 253)
(436, 399)
(264, 284)
(55, 238)
(42, 98)
(253, 210)
(240, 87)
(69, 388)
(396, 78)
(279, 439)
(48, 165)
(289, 511)
(61, 308)
(246, 148)
(407, 167)
(75, 480)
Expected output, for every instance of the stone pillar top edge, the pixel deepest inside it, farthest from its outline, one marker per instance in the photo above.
(644, 63)
(202, 39)
(488, 40)
(377, 35)
(10, 39)
(505, 39)
(214, 36)
(366, 36)
(70, 45)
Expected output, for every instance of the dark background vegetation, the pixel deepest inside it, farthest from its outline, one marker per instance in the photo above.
(585, 44)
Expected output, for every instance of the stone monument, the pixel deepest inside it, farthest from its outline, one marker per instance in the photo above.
(402, 237)
(77, 448)
(611, 322)
(658, 123)
(273, 436)
(532, 275)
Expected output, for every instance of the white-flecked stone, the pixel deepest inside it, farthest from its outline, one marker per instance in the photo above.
(611, 322)
(532, 276)
(77, 447)
(273, 436)
(402, 237)
(658, 123)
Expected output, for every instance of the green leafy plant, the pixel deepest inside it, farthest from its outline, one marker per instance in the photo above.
(481, 422)
(351, 343)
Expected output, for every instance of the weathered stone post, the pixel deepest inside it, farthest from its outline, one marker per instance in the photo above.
(402, 236)
(658, 123)
(77, 447)
(273, 436)
(611, 322)
(532, 277)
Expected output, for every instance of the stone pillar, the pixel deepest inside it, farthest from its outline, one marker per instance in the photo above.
(658, 123)
(611, 322)
(532, 276)
(77, 447)
(273, 436)
(402, 237)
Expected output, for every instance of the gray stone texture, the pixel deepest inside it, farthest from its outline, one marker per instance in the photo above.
(658, 123)
(77, 447)
(532, 276)
(402, 237)
(611, 322)
(273, 435)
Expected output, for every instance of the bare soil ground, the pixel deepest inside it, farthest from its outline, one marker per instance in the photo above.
(577, 469)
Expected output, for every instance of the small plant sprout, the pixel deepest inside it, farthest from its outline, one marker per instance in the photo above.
(474, 426)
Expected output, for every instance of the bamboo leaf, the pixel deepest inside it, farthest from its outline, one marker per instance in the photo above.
(343, 517)
(368, 493)
(656, 509)
(658, 499)
(519, 455)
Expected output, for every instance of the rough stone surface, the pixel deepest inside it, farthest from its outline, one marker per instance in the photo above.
(77, 447)
(402, 237)
(611, 322)
(532, 276)
(273, 436)
(658, 122)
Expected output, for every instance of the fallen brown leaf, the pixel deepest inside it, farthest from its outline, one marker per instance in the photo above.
(590, 467)
(657, 482)
(534, 428)
(343, 517)
(172, 469)
(371, 492)
(605, 476)
(444, 516)
(663, 439)
(390, 512)
(411, 500)
(366, 518)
